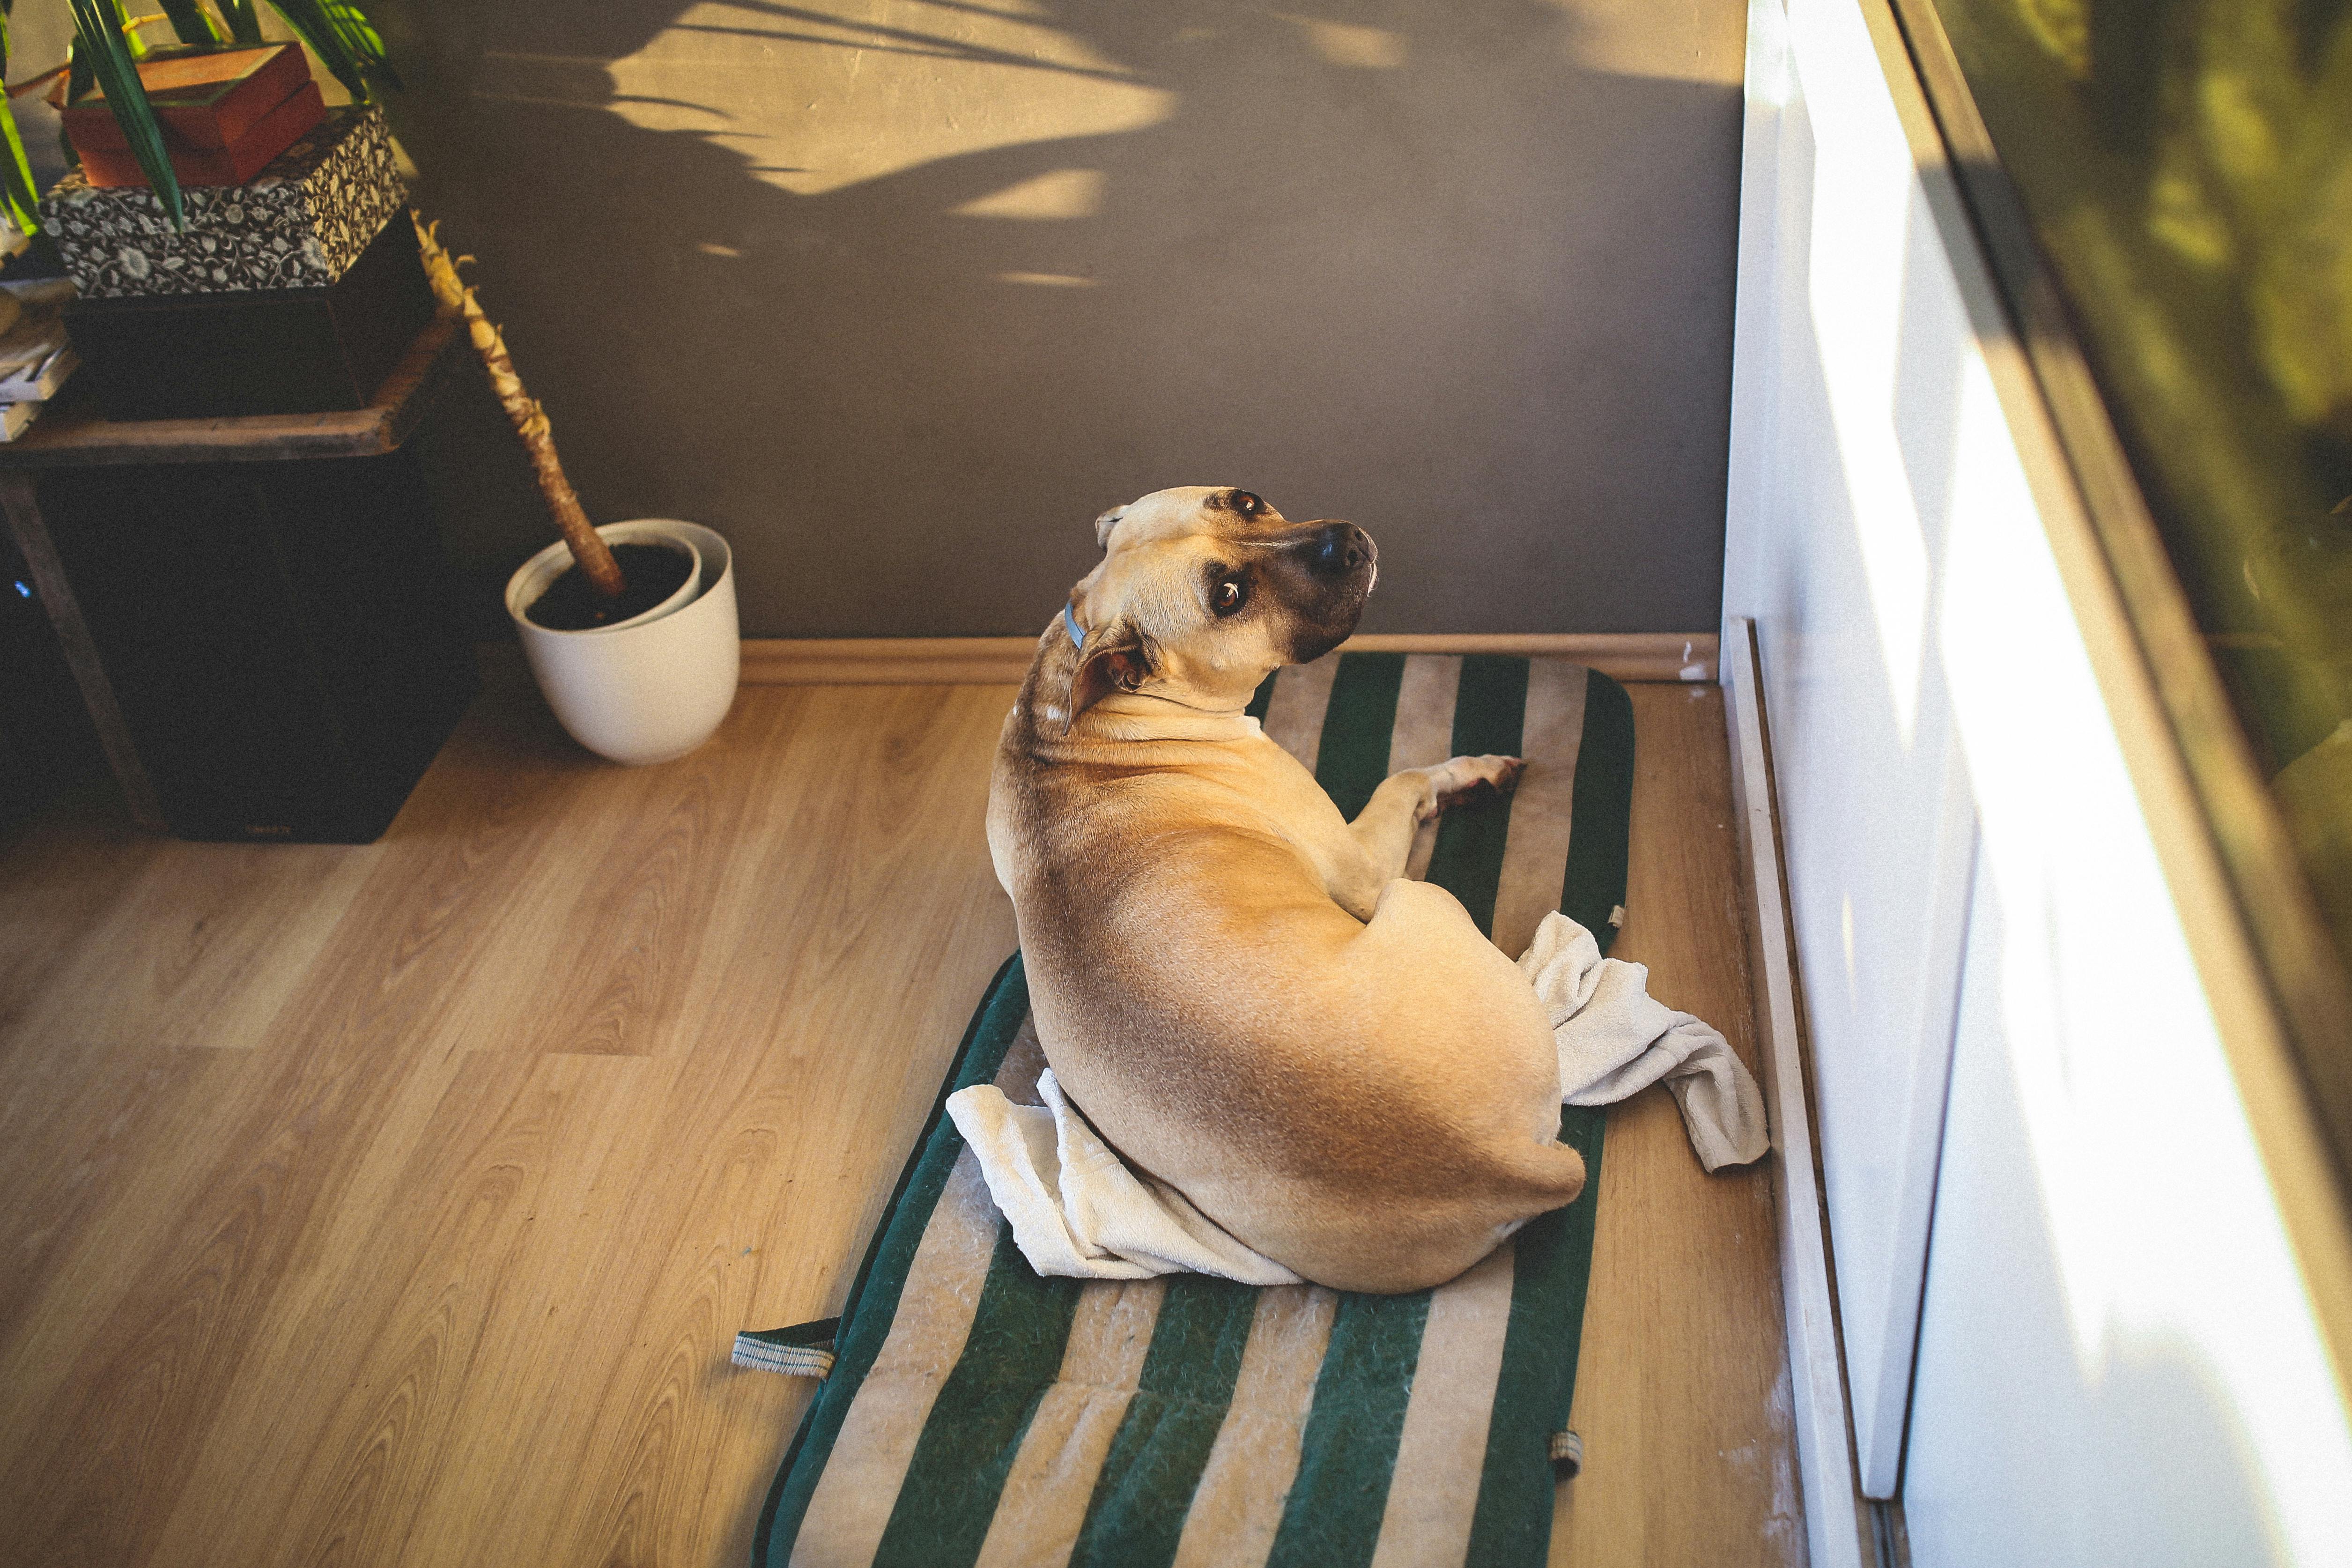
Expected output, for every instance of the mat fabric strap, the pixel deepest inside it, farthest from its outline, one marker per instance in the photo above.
(804, 1350)
(792, 1361)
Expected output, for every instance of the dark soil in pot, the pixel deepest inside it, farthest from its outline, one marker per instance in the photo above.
(653, 571)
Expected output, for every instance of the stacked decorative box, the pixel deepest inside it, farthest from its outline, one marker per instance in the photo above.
(293, 293)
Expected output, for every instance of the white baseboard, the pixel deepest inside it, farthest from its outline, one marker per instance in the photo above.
(982, 661)
(1836, 1529)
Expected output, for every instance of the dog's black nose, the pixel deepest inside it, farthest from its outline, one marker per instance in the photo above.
(1340, 548)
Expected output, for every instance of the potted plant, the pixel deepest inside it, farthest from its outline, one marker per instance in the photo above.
(630, 628)
(106, 51)
(639, 658)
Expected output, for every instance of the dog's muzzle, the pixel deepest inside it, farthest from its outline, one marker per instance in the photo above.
(1339, 564)
(1340, 549)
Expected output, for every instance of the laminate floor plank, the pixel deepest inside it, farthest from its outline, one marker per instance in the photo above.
(90, 1194)
(1682, 1394)
(60, 875)
(198, 947)
(603, 937)
(399, 1204)
(203, 946)
(140, 1397)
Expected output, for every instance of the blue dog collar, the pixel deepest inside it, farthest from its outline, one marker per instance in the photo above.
(1070, 625)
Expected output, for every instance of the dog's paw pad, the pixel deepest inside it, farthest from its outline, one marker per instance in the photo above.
(1472, 777)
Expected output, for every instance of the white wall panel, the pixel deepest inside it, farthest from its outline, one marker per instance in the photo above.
(1851, 338)
(2117, 1361)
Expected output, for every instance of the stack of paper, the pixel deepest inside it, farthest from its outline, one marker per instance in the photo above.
(34, 355)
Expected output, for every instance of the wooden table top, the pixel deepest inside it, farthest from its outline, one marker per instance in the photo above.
(70, 434)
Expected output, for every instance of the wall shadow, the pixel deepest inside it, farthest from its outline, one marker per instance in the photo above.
(1477, 297)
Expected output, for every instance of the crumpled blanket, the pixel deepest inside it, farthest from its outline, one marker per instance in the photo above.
(1077, 1210)
(1615, 1039)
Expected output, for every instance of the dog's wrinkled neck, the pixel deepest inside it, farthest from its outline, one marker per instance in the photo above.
(1143, 704)
(1122, 718)
(1139, 717)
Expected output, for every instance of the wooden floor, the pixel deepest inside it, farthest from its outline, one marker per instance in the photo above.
(399, 1204)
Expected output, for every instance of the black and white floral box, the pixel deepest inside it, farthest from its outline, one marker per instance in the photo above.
(298, 225)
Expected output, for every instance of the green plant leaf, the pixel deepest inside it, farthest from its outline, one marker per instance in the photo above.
(190, 21)
(18, 197)
(357, 30)
(244, 21)
(365, 42)
(129, 34)
(340, 34)
(78, 82)
(98, 34)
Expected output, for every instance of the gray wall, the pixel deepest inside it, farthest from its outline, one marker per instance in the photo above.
(1460, 272)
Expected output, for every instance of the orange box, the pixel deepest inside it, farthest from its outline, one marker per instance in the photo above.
(201, 99)
(235, 164)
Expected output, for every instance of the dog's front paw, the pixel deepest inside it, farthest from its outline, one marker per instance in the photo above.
(1467, 778)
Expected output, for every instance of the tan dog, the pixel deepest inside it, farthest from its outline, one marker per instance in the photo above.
(1238, 987)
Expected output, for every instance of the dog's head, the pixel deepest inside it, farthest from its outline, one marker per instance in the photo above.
(1204, 590)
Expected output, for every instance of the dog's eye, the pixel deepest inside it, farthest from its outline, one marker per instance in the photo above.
(1227, 596)
(1247, 505)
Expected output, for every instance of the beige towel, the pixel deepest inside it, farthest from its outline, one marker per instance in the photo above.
(1615, 1040)
(1077, 1210)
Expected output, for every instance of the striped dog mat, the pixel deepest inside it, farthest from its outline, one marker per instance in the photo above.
(974, 1413)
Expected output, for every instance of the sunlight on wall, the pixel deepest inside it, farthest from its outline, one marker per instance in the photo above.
(1625, 38)
(2160, 1220)
(1054, 195)
(2020, 697)
(1345, 44)
(843, 91)
(1857, 249)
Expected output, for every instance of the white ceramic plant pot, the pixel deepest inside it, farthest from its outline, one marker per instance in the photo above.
(651, 688)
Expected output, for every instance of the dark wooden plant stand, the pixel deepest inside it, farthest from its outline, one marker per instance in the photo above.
(258, 611)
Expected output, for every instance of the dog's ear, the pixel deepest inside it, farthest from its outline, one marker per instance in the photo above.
(1106, 522)
(1114, 659)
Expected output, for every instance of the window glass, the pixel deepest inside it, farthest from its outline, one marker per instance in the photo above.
(2186, 167)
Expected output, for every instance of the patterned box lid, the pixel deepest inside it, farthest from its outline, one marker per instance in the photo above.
(299, 224)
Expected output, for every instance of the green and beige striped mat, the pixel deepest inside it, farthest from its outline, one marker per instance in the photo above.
(977, 1415)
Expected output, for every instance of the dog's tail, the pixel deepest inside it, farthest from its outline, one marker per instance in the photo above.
(1418, 1245)
(1553, 1172)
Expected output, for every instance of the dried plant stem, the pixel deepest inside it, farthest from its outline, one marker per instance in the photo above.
(593, 557)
